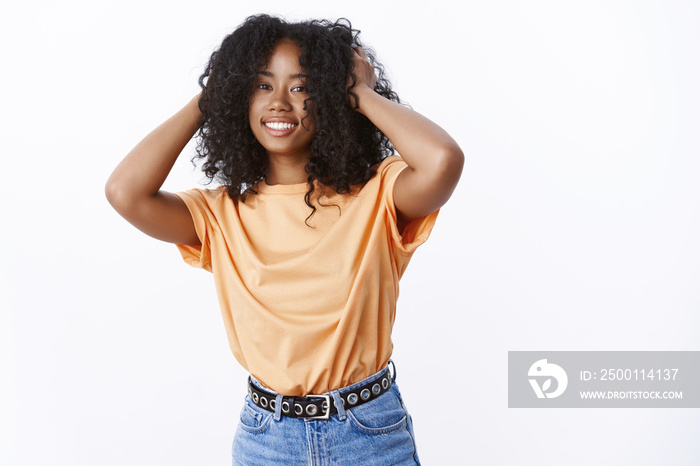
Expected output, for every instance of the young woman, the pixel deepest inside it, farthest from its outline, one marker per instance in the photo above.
(312, 226)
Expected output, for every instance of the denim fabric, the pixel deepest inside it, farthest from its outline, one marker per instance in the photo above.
(379, 432)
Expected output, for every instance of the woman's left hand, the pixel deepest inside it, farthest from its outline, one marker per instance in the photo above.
(364, 75)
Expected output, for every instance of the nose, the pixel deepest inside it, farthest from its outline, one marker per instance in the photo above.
(279, 101)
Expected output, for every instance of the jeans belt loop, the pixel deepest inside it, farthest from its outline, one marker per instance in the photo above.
(338, 405)
(278, 407)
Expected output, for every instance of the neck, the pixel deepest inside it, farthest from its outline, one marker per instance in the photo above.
(283, 170)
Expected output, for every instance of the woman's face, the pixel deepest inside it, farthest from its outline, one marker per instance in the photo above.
(277, 105)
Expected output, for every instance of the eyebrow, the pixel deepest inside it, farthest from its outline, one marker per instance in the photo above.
(293, 76)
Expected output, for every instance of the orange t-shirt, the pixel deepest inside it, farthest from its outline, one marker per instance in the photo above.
(307, 308)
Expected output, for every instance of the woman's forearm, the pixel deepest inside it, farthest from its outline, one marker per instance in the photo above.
(142, 172)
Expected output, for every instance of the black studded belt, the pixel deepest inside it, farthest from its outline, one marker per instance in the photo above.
(316, 406)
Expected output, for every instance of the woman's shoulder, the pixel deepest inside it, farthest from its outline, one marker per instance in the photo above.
(388, 169)
(389, 162)
(386, 172)
(206, 195)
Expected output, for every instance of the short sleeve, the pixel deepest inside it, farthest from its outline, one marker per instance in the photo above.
(418, 230)
(200, 204)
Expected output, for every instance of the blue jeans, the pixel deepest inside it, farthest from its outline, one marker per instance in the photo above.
(379, 432)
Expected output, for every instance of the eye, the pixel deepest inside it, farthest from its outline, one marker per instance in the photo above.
(264, 86)
(299, 89)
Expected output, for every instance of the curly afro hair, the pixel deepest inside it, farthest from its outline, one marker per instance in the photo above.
(346, 145)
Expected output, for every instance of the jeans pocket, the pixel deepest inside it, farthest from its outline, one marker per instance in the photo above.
(380, 416)
(253, 419)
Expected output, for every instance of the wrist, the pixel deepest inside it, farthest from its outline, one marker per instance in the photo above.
(363, 93)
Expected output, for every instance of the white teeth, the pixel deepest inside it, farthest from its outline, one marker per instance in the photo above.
(279, 126)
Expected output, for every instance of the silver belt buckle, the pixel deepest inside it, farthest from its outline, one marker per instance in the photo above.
(328, 409)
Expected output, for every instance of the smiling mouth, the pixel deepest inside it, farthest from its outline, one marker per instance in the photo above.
(279, 126)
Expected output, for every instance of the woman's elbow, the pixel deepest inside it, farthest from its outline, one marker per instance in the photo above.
(451, 163)
(118, 196)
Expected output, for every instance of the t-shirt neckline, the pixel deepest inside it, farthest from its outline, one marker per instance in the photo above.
(296, 188)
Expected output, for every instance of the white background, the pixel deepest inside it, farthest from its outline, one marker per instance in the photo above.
(575, 226)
